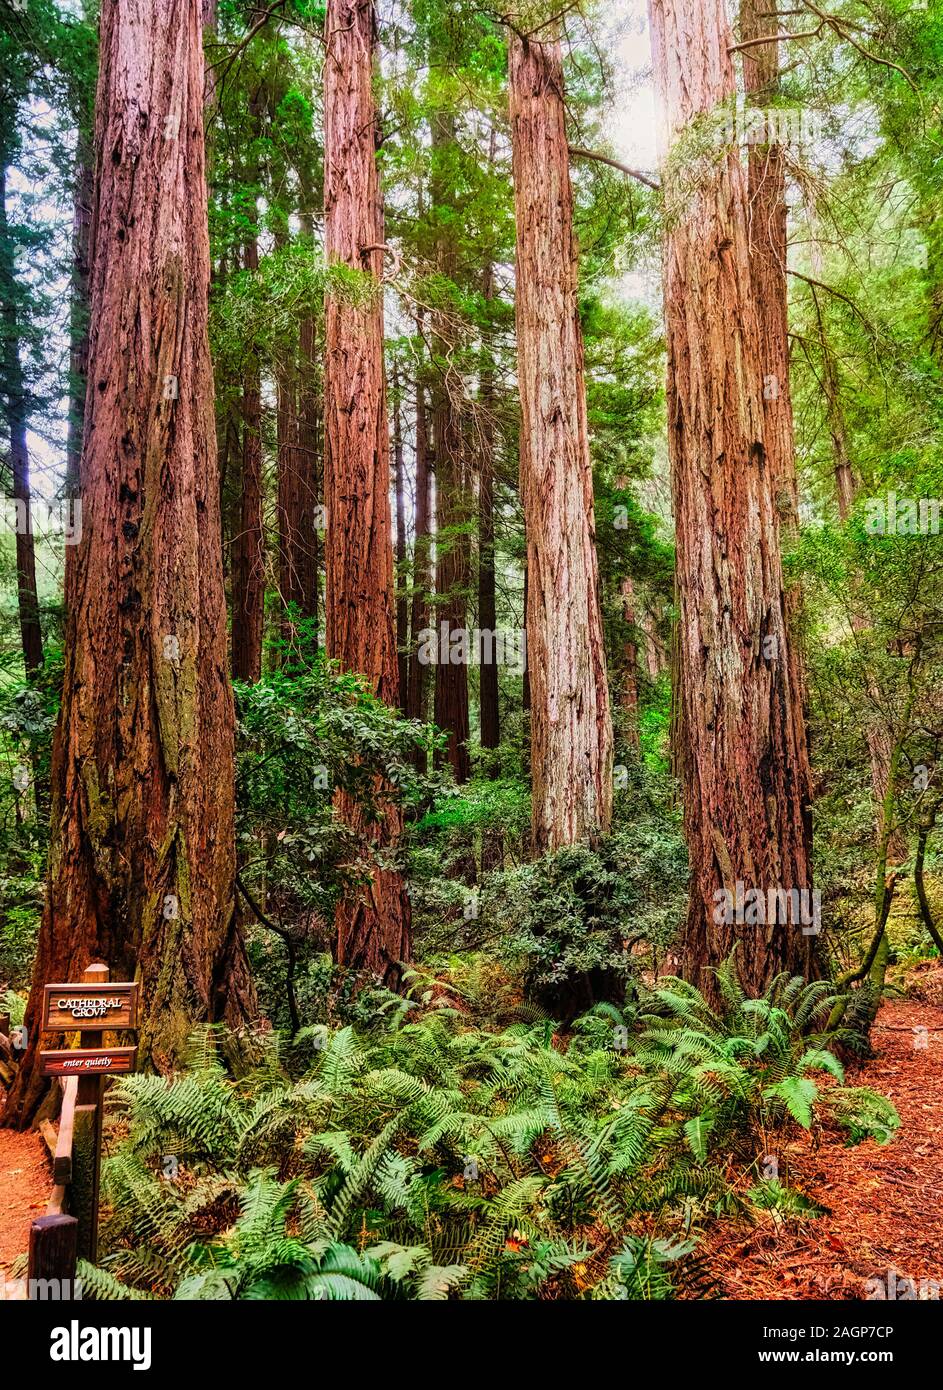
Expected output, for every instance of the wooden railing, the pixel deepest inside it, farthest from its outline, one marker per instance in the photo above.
(69, 1230)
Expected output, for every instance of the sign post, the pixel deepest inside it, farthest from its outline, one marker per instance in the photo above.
(89, 1005)
(92, 1006)
(87, 1137)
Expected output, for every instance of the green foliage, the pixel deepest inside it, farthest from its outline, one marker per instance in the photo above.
(13, 1004)
(566, 925)
(772, 1195)
(456, 1160)
(428, 1158)
(563, 918)
(304, 732)
(27, 717)
(758, 1062)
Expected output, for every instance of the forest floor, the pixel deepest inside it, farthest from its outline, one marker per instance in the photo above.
(25, 1188)
(884, 1203)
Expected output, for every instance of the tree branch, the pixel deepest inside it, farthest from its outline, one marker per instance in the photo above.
(578, 153)
(289, 946)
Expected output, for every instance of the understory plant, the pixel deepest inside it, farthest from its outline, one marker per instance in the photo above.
(434, 1159)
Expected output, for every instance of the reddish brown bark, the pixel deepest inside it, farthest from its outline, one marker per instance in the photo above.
(248, 564)
(373, 933)
(229, 451)
(766, 186)
(402, 601)
(16, 417)
(452, 577)
(525, 682)
(82, 198)
(492, 841)
(766, 181)
(306, 549)
(453, 508)
(298, 422)
(767, 229)
(746, 793)
(422, 575)
(571, 730)
(141, 863)
(487, 599)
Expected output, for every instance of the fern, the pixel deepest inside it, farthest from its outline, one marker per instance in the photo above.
(463, 1163)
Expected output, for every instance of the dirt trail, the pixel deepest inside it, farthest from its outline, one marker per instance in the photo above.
(25, 1187)
(885, 1202)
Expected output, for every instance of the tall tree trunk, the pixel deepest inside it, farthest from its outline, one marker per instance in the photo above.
(767, 227)
(229, 449)
(767, 247)
(656, 656)
(746, 795)
(525, 679)
(286, 503)
(846, 485)
(402, 601)
(492, 841)
(766, 186)
(571, 728)
(297, 430)
(248, 569)
(630, 666)
(306, 561)
(422, 573)
(142, 860)
(373, 933)
(248, 566)
(453, 560)
(487, 600)
(16, 417)
(83, 192)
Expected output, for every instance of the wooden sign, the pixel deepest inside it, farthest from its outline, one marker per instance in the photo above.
(86, 1061)
(67, 1007)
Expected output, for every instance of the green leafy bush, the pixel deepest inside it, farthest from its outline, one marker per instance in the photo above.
(428, 1157)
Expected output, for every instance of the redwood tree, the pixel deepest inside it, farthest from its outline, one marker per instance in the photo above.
(746, 793)
(630, 694)
(767, 232)
(571, 730)
(766, 224)
(13, 391)
(402, 598)
(453, 509)
(487, 597)
(421, 573)
(82, 197)
(248, 562)
(299, 411)
(142, 860)
(373, 932)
